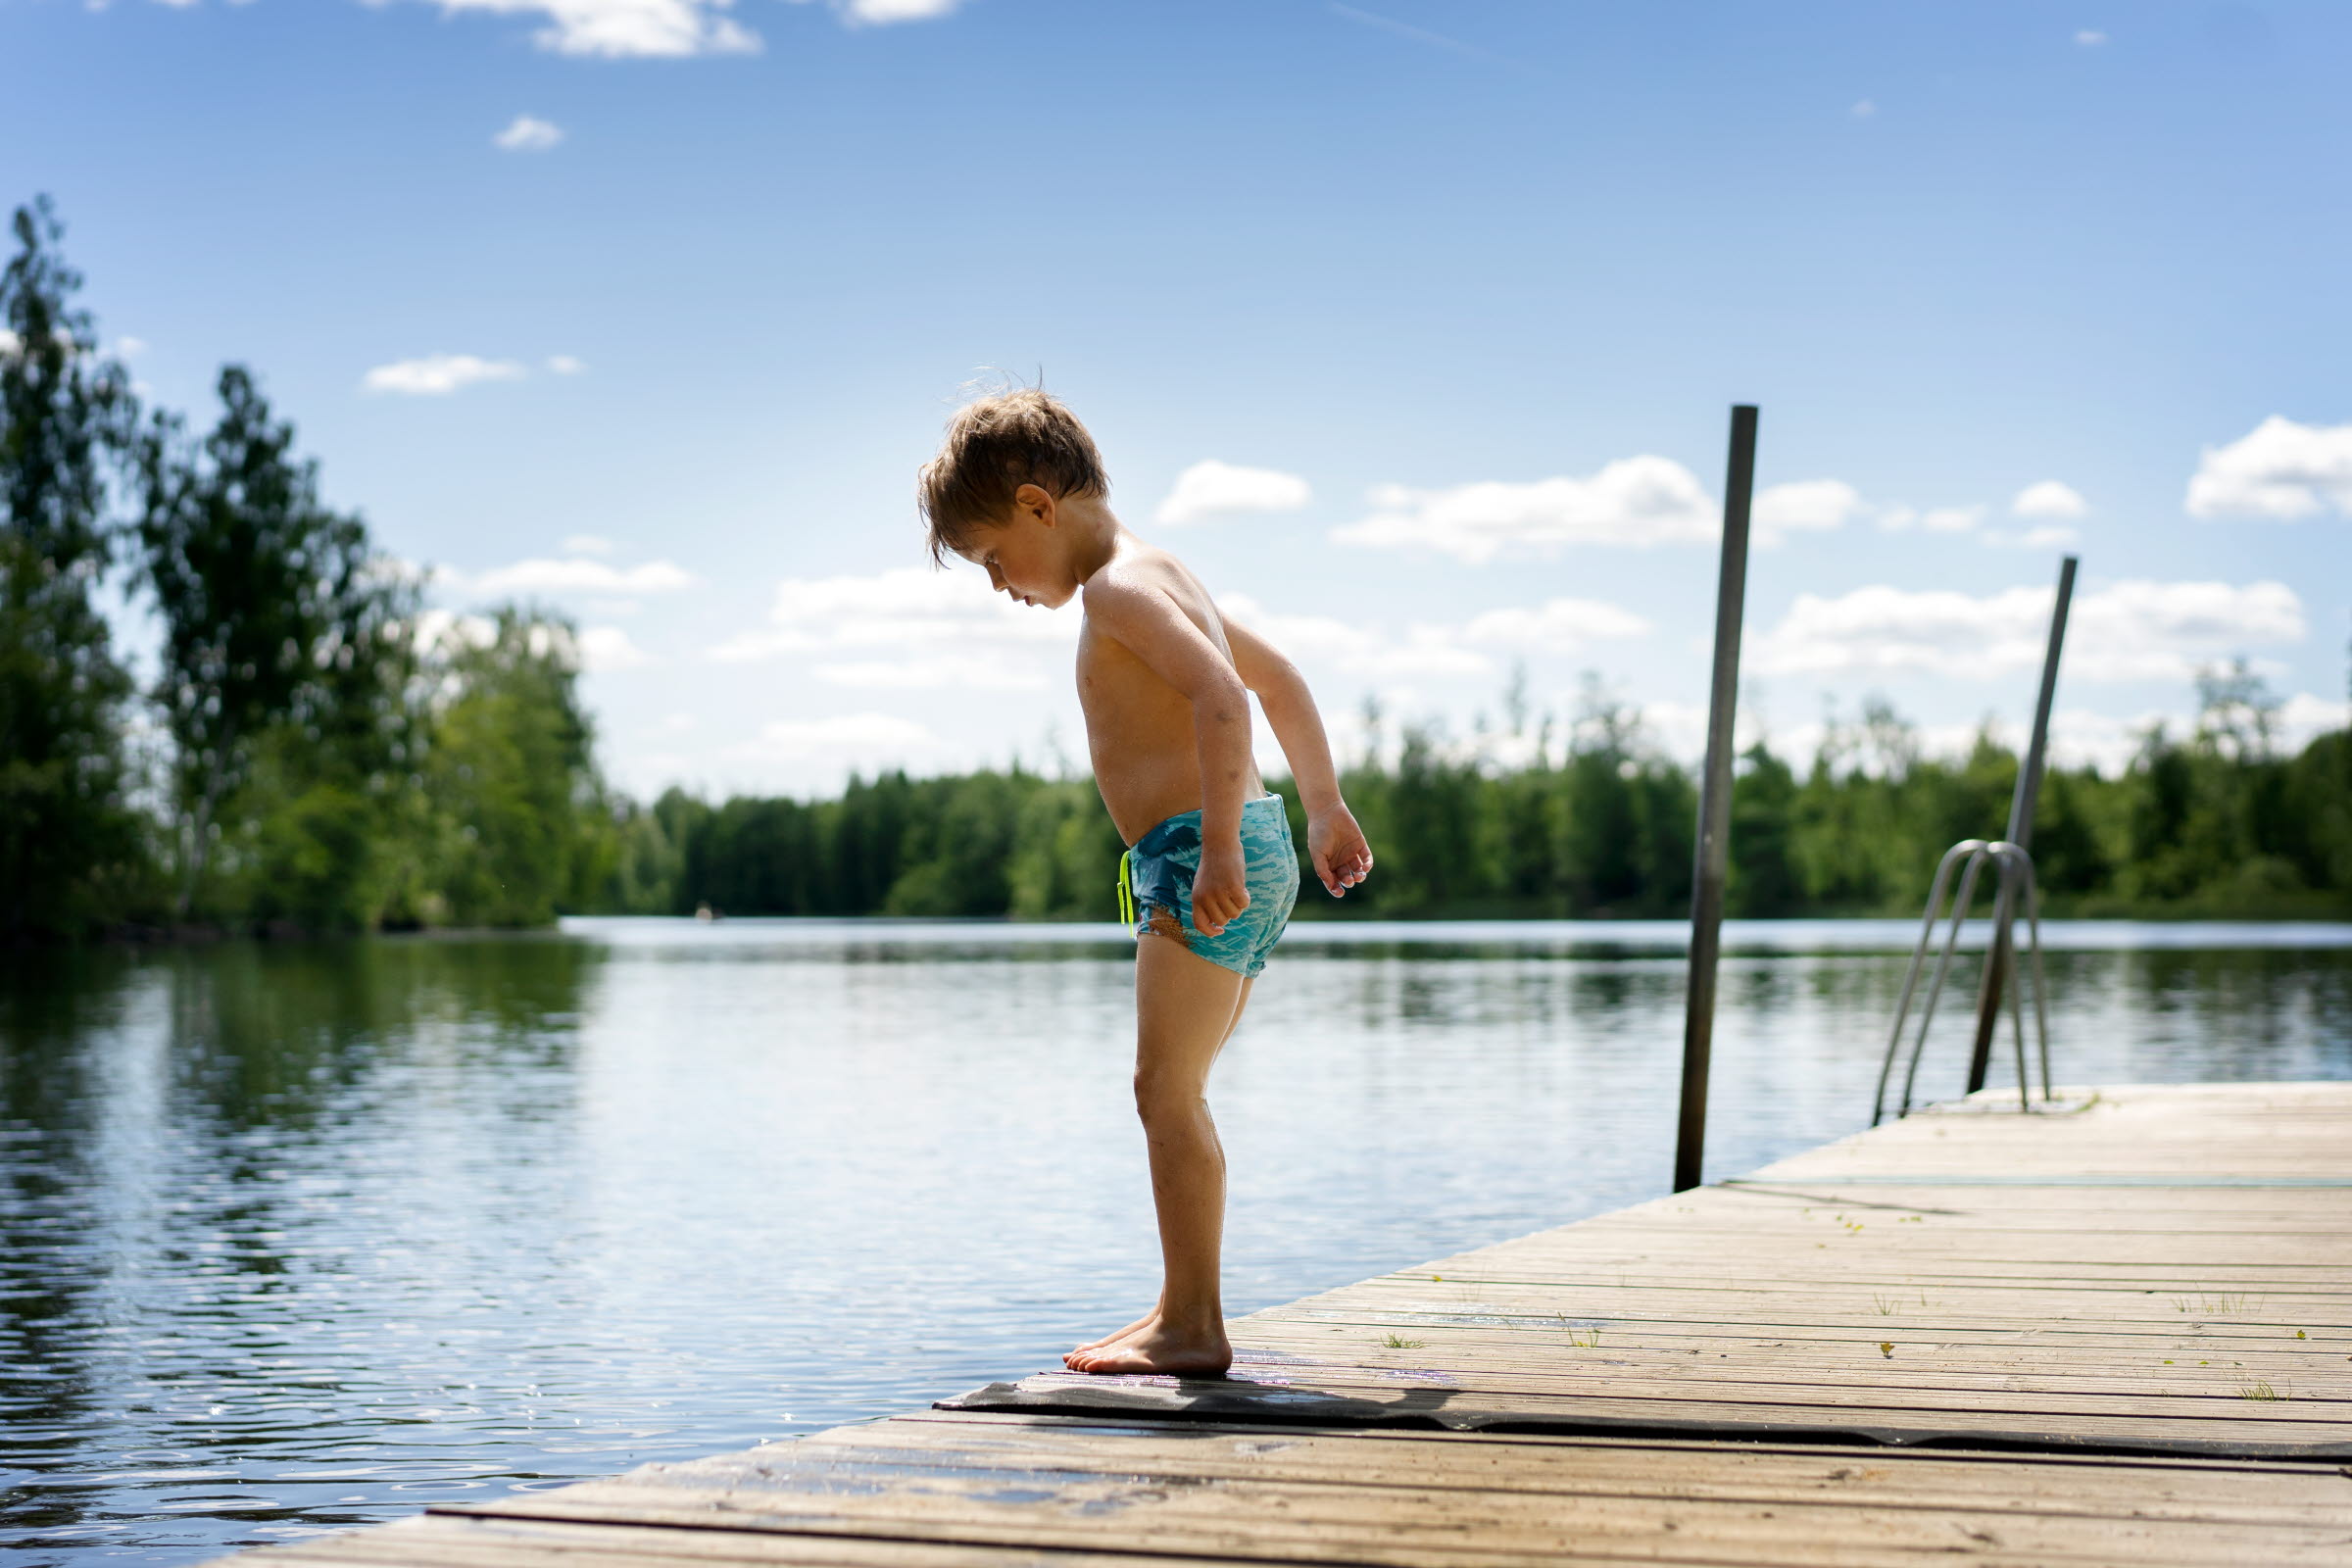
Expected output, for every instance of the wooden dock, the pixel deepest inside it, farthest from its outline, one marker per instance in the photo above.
(2115, 1332)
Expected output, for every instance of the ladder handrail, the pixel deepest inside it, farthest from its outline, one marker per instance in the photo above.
(2013, 866)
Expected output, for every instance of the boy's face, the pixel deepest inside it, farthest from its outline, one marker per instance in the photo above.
(1026, 556)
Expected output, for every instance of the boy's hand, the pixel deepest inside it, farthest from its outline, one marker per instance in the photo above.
(1220, 889)
(1337, 846)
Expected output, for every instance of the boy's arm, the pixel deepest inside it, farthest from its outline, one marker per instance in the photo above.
(1334, 842)
(1147, 623)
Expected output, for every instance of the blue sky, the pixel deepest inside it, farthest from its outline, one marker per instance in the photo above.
(651, 308)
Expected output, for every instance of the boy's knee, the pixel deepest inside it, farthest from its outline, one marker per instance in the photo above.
(1161, 1094)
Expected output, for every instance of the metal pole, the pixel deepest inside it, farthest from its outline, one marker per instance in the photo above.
(1713, 856)
(2020, 834)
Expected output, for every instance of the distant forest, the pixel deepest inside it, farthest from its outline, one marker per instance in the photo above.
(317, 751)
(2210, 823)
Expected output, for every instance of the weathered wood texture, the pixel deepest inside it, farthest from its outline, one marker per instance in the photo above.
(955, 1489)
(2157, 1270)
(2121, 1336)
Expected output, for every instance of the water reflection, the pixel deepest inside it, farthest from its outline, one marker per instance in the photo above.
(299, 1237)
(188, 1226)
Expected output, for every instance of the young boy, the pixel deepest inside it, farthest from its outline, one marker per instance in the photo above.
(1019, 491)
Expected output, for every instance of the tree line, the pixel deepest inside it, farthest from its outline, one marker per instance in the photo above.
(314, 750)
(317, 751)
(1592, 823)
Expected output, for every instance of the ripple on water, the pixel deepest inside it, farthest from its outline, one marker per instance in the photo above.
(302, 1237)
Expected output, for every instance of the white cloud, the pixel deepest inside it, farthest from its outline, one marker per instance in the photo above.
(2083, 738)
(1428, 649)
(1556, 626)
(2140, 630)
(1936, 520)
(882, 13)
(1214, 489)
(623, 28)
(1865, 109)
(2303, 718)
(435, 625)
(1357, 647)
(2048, 536)
(663, 29)
(603, 648)
(589, 544)
(2049, 499)
(933, 629)
(984, 670)
(2078, 736)
(2110, 741)
(1807, 505)
(841, 740)
(2277, 469)
(529, 135)
(1634, 501)
(542, 575)
(130, 348)
(2132, 630)
(1677, 729)
(565, 364)
(439, 374)
(2090, 37)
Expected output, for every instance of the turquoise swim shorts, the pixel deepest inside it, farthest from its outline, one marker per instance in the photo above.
(1157, 875)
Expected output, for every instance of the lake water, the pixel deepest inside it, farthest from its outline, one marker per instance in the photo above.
(296, 1238)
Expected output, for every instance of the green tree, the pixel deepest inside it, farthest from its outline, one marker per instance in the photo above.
(868, 845)
(959, 850)
(1763, 878)
(270, 611)
(2317, 806)
(2069, 855)
(65, 827)
(1066, 855)
(1610, 845)
(523, 826)
(1437, 854)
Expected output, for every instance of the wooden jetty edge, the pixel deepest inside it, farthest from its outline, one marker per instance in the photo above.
(2120, 1332)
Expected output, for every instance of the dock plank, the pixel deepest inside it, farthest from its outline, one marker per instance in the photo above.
(1243, 1496)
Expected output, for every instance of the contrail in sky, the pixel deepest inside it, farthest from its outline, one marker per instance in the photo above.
(1404, 29)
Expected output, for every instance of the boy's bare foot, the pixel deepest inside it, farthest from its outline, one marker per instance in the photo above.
(1158, 1346)
(1109, 1340)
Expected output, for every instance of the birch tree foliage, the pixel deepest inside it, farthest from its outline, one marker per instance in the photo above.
(256, 582)
(63, 409)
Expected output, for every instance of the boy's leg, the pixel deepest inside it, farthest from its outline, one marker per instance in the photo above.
(1240, 1006)
(1185, 1010)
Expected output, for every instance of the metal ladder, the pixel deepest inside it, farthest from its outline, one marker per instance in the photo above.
(2015, 870)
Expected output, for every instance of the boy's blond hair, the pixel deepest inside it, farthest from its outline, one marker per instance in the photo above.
(994, 447)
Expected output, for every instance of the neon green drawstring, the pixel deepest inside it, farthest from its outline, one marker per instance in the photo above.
(1126, 889)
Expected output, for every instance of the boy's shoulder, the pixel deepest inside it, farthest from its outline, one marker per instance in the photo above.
(1138, 575)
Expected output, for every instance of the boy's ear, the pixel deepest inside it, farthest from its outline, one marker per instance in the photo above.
(1037, 501)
